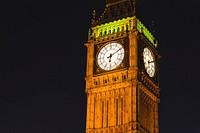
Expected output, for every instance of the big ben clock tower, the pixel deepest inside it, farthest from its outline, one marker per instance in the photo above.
(122, 73)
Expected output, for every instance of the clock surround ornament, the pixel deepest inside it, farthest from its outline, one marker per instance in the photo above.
(110, 56)
(149, 62)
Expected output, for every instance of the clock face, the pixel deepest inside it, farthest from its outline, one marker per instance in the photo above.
(110, 56)
(149, 62)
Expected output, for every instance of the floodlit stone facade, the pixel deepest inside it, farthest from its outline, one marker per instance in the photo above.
(126, 98)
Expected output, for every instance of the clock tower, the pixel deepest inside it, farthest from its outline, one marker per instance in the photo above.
(122, 73)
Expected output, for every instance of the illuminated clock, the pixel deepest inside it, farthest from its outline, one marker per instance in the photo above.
(110, 56)
(149, 62)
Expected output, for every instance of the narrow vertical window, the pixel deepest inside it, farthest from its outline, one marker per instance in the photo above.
(107, 104)
(116, 111)
(122, 110)
(94, 111)
(102, 112)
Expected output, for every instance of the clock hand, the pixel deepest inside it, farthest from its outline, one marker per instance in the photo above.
(150, 62)
(117, 51)
(111, 54)
(109, 57)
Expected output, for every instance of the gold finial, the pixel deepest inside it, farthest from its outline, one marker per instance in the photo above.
(93, 16)
(134, 7)
(89, 34)
(153, 27)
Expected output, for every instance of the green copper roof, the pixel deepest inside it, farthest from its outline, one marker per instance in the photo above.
(142, 29)
(125, 24)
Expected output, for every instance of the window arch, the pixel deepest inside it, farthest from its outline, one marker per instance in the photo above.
(100, 34)
(118, 29)
(105, 32)
(122, 28)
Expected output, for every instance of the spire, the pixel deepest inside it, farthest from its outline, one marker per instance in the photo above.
(153, 27)
(93, 16)
(116, 9)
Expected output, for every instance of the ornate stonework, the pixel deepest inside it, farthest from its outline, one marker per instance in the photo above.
(125, 99)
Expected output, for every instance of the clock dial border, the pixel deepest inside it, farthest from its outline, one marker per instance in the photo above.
(118, 53)
(125, 62)
(151, 63)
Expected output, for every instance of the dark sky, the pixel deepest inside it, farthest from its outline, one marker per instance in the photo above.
(42, 64)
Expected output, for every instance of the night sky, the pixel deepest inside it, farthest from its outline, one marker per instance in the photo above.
(43, 58)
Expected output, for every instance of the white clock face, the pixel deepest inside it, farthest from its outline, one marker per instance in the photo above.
(110, 56)
(149, 62)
